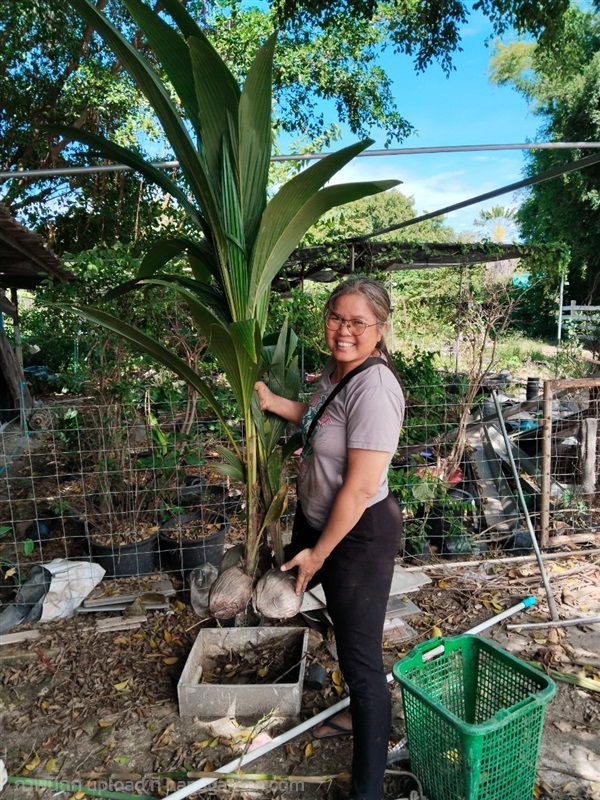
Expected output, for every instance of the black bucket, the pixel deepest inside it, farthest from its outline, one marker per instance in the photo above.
(533, 388)
(121, 561)
(185, 554)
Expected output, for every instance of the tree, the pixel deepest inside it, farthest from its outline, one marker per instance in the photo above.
(563, 88)
(376, 213)
(239, 241)
(431, 31)
(53, 68)
(497, 223)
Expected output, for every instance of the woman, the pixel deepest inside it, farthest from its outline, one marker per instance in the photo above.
(347, 527)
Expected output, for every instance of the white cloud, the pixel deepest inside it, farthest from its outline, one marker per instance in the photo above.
(436, 182)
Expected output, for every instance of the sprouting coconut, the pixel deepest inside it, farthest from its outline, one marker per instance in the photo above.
(230, 593)
(275, 596)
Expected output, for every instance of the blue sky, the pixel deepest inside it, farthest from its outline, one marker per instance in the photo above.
(462, 109)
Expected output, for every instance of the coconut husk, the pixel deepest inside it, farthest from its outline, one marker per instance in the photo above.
(275, 595)
(230, 593)
(233, 557)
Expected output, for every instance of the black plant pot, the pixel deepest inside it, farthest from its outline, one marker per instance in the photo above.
(125, 560)
(446, 514)
(185, 554)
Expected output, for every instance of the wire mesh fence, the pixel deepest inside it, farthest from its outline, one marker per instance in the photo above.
(127, 487)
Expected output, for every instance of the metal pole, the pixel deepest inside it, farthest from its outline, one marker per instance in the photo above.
(546, 464)
(402, 151)
(534, 541)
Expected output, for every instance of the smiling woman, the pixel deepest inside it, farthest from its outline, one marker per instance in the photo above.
(348, 526)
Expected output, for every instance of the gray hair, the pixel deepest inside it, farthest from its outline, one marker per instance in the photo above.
(373, 292)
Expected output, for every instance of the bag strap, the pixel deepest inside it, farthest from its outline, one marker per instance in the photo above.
(369, 362)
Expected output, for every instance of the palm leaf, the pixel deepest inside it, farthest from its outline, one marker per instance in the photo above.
(255, 137)
(172, 52)
(158, 351)
(115, 152)
(152, 87)
(217, 96)
(235, 271)
(306, 215)
(233, 466)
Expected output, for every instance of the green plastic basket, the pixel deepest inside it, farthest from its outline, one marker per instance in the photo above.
(474, 717)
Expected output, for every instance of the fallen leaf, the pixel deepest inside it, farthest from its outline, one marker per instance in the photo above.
(121, 640)
(51, 765)
(308, 750)
(208, 767)
(563, 726)
(435, 632)
(32, 764)
(104, 724)
(165, 736)
(170, 661)
(179, 605)
(122, 759)
(168, 636)
(336, 677)
(121, 686)
(262, 671)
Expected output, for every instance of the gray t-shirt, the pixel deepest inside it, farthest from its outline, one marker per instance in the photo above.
(367, 415)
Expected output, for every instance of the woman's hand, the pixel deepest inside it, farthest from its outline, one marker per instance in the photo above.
(265, 396)
(308, 562)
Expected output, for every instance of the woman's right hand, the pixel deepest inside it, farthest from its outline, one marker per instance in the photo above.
(265, 396)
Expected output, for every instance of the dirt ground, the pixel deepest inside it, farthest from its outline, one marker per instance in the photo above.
(77, 705)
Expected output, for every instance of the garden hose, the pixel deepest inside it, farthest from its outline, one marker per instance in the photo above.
(62, 786)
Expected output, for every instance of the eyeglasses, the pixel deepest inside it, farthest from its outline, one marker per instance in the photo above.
(356, 327)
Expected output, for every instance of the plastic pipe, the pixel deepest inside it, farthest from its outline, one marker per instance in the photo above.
(323, 715)
(534, 541)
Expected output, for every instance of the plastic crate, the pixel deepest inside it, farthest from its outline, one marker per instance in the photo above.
(474, 717)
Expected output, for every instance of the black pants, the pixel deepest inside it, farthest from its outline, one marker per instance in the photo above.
(356, 579)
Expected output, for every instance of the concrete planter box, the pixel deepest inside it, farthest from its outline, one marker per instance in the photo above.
(211, 701)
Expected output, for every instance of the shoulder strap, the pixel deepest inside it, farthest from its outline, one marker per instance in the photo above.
(369, 362)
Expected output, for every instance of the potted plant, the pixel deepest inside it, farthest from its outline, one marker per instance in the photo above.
(221, 136)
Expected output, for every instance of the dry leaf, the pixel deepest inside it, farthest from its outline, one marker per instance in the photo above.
(262, 671)
(32, 764)
(336, 677)
(208, 767)
(308, 750)
(121, 686)
(435, 632)
(170, 661)
(165, 736)
(203, 743)
(179, 605)
(121, 640)
(168, 636)
(51, 765)
(444, 585)
(563, 726)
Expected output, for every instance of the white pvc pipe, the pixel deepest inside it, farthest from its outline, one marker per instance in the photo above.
(246, 758)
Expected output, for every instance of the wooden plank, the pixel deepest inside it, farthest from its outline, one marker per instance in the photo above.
(18, 636)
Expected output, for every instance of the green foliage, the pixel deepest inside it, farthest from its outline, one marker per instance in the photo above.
(375, 213)
(563, 87)
(303, 308)
(71, 347)
(431, 31)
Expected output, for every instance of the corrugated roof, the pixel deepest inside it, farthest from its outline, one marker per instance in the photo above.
(25, 259)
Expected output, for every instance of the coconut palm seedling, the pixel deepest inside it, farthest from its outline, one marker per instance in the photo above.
(221, 136)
